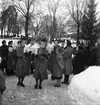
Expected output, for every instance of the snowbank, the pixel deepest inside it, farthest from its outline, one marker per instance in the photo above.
(85, 87)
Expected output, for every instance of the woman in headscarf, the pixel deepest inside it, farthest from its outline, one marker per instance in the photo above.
(41, 63)
(57, 69)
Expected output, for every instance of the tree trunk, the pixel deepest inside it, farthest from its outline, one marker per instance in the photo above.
(1, 32)
(78, 32)
(26, 28)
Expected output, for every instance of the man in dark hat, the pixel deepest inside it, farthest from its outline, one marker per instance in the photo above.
(4, 55)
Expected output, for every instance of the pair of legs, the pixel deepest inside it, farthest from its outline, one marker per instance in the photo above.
(38, 83)
(58, 83)
(66, 78)
(20, 81)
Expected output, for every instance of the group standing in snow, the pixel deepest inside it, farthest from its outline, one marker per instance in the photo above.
(40, 57)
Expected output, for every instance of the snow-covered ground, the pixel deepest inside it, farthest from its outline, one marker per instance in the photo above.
(49, 95)
(85, 87)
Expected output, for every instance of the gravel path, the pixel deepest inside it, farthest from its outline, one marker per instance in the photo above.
(49, 95)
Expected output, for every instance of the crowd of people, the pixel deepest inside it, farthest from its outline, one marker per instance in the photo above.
(58, 60)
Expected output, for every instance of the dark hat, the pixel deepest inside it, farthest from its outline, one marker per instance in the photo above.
(3, 41)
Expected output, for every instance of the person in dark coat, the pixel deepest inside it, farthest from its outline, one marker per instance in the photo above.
(41, 64)
(2, 83)
(4, 55)
(78, 63)
(22, 66)
(97, 62)
(10, 61)
(52, 58)
(68, 51)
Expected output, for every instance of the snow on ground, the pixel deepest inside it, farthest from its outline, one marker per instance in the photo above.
(49, 95)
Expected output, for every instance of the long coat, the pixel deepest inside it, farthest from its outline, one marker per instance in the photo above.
(78, 63)
(4, 55)
(41, 65)
(68, 51)
(2, 85)
(98, 55)
(56, 64)
(22, 66)
(10, 61)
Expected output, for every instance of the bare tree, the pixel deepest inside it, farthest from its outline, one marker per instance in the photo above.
(52, 7)
(4, 4)
(36, 25)
(76, 11)
(26, 8)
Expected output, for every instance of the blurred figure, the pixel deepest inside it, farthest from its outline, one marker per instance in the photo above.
(41, 63)
(98, 53)
(2, 83)
(58, 67)
(22, 66)
(10, 61)
(52, 58)
(68, 51)
(78, 61)
(4, 55)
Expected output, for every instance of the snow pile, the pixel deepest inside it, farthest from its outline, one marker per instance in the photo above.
(85, 87)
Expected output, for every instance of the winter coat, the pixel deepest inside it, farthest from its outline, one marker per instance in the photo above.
(41, 64)
(4, 55)
(68, 51)
(2, 85)
(98, 55)
(78, 63)
(22, 66)
(57, 64)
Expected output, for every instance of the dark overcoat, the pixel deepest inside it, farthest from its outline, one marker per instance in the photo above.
(41, 64)
(4, 55)
(22, 66)
(11, 60)
(2, 85)
(78, 63)
(98, 55)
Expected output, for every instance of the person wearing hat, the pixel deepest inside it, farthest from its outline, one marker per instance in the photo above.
(41, 63)
(22, 66)
(58, 66)
(4, 55)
